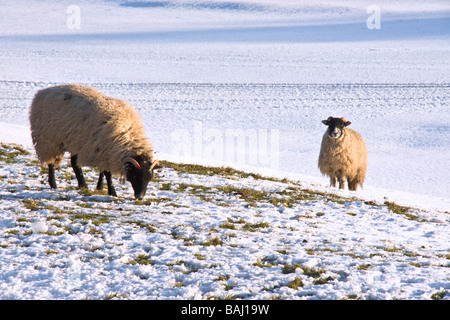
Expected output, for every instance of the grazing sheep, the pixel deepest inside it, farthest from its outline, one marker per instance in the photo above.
(97, 131)
(343, 154)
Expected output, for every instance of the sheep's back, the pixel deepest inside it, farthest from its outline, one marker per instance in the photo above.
(54, 117)
(83, 121)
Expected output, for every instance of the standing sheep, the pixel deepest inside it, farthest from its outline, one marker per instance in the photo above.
(343, 154)
(96, 130)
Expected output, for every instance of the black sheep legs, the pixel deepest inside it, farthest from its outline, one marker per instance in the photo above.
(111, 190)
(80, 177)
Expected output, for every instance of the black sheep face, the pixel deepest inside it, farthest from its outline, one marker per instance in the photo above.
(139, 176)
(335, 126)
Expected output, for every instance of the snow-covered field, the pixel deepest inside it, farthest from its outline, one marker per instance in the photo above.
(211, 236)
(200, 72)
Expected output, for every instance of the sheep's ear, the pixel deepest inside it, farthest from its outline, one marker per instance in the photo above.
(326, 122)
(347, 123)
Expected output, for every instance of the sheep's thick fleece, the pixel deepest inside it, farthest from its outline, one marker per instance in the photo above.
(345, 157)
(101, 130)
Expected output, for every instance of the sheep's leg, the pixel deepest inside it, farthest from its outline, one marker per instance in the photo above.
(111, 190)
(333, 181)
(341, 178)
(51, 176)
(341, 183)
(352, 184)
(78, 172)
(100, 181)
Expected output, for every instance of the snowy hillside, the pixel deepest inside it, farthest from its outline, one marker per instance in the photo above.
(243, 84)
(210, 233)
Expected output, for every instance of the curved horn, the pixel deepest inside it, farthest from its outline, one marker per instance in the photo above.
(133, 161)
(155, 163)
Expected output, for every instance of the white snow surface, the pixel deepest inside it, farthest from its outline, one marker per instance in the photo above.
(199, 72)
